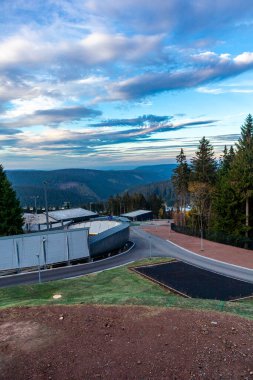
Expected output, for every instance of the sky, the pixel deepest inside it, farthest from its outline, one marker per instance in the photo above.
(117, 84)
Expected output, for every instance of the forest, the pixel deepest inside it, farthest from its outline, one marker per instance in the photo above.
(214, 198)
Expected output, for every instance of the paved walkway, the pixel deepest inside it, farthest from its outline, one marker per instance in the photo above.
(221, 252)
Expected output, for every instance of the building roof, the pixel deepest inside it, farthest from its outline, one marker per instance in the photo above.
(37, 218)
(96, 226)
(136, 213)
(71, 213)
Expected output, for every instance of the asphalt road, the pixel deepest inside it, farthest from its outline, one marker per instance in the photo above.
(146, 245)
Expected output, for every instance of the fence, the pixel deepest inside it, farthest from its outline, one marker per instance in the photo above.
(43, 248)
(215, 236)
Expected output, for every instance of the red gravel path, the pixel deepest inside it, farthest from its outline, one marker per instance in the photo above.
(221, 252)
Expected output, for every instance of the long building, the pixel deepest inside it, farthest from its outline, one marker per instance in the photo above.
(73, 214)
(139, 215)
(81, 241)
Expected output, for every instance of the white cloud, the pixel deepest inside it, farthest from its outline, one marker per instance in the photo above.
(31, 51)
(245, 58)
(22, 107)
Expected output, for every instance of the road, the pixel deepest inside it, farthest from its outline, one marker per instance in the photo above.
(146, 245)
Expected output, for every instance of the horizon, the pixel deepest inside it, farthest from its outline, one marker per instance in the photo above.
(99, 169)
(96, 85)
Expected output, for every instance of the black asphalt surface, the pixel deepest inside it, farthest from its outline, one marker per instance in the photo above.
(197, 283)
(146, 245)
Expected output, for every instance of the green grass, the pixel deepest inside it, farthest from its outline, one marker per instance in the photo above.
(118, 286)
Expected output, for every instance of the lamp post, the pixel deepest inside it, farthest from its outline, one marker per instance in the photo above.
(38, 257)
(46, 204)
(150, 247)
(35, 197)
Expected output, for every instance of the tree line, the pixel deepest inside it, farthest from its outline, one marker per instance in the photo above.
(121, 204)
(219, 192)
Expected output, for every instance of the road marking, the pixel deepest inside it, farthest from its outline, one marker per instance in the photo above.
(99, 271)
(208, 258)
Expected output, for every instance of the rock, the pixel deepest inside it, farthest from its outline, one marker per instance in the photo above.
(61, 318)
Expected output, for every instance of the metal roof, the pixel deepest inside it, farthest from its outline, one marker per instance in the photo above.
(133, 214)
(71, 213)
(107, 233)
(96, 226)
(37, 218)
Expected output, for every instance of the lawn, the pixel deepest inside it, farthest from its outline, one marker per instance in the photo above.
(118, 286)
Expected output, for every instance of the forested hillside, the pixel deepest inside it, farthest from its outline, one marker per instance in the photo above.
(81, 186)
(163, 189)
(220, 193)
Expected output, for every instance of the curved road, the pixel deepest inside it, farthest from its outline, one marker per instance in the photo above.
(146, 245)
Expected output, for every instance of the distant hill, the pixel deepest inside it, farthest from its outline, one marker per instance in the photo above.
(80, 186)
(162, 171)
(162, 188)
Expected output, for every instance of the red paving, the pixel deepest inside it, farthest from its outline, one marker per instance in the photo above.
(221, 252)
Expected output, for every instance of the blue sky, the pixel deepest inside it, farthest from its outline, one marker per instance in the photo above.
(111, 84)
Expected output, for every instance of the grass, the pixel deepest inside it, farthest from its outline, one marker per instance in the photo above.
(117, 286)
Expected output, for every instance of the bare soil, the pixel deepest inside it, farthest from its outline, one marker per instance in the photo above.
(95, 342)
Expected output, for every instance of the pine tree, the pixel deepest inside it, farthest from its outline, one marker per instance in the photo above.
(242, 172)
(202, 181)
(180, 180)
(11, 219)
(226, 160)
(203, 165)
(226, 208)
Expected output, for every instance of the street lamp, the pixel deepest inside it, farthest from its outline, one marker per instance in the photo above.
(38, 257)
(35, 197)
(45, 183)
(150, 248)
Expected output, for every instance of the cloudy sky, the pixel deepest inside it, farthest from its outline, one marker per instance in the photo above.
(117, 84)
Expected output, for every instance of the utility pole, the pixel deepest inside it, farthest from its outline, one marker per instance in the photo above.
(35, 197)
(46, 204)
(38, 257)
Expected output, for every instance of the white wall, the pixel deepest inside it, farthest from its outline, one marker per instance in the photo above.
(21, 251)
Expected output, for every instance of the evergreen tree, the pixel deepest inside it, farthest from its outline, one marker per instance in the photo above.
(242, 172)
(226, 160)
(203, 165)
(11, 219)
(201, 185)
(226, 208)
(180, 180)
(155, 203)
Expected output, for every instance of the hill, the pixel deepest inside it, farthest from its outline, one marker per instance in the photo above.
(162, 188)
(80, 186)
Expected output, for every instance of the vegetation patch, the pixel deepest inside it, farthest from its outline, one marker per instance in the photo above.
(113, 287)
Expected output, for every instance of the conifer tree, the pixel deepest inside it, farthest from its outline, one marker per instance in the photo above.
(203, 165)
(11, 219)
(226, 208)
(242, 172)
(180, 180)
(202, 180)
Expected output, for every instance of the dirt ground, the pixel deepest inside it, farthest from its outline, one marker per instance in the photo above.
(91, 342)
(217, 251)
